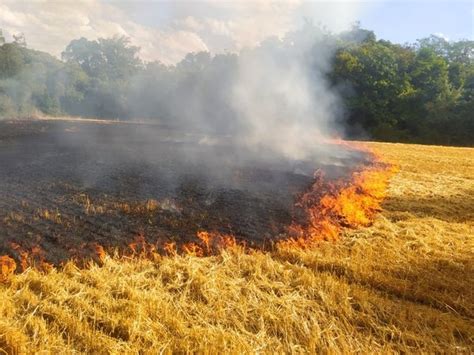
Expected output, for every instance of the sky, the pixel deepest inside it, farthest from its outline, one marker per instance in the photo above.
(407, 21)
(167, 30)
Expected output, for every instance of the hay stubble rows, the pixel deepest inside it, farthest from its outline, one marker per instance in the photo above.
(402, 284)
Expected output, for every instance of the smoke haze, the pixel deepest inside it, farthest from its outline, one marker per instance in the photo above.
(255, 82)
(224, 140)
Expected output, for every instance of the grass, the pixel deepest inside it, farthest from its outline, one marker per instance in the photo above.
(403, 284)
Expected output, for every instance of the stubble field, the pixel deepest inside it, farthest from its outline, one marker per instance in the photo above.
(402, 284)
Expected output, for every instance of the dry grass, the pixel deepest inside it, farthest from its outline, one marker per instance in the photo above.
(403, 284)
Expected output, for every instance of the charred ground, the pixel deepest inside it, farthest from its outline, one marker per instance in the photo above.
(66, 186)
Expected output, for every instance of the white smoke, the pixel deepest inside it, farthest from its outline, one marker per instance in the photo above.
(276, 98)
(283, 100)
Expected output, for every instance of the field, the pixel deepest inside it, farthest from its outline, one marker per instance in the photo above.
(68, 186)
(402, 284)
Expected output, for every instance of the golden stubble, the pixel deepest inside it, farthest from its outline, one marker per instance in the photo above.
(402, 284)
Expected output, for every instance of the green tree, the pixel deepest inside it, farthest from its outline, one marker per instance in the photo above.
(430, 75)
(11, 60)
(375, 72)
(107, 59)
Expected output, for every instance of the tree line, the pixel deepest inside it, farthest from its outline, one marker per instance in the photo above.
(421, 92)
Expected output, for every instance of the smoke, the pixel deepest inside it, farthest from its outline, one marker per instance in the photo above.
(274, 98)
(269, 105)
(261, 94)
(230, 139)
(282, 97)
(263, 86)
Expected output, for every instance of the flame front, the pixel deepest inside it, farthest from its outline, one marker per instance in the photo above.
(7, 267)
(329, 206)
(352, 204)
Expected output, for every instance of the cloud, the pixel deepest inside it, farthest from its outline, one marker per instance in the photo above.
(50, 26)
(441, 35)
(166, 30)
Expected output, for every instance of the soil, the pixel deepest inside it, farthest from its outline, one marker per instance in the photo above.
(65, 185)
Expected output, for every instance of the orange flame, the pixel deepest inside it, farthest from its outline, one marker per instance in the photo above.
(352, 204)
(100, 251)
(141, 248)
(170, 248)
(7, 267)
(211, 242)
(35, 257)
(330, 207)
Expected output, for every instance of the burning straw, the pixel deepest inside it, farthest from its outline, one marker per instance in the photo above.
(330, 207)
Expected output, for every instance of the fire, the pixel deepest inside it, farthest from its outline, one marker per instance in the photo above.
(35, 257)
(100, 251)
(212, 241)
(358, 203)
(170, 248)
(7, 267)
(329, 207)
(141, 248)
(353, 204)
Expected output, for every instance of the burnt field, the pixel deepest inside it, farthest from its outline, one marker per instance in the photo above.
(66, 186)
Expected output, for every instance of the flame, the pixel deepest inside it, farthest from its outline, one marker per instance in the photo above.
(100, 251)
(35, 257)
(141, 248)
(170, 248)
(205, 238)
(7, 267)
(329, 206)
(353, 204)
(211, 242)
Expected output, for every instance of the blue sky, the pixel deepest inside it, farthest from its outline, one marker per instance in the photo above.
(406, 21)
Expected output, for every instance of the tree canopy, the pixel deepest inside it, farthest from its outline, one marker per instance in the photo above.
(421, 92)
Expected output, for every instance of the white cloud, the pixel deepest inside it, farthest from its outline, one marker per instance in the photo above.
(187, 27)
(50, 26)
(441, 35)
